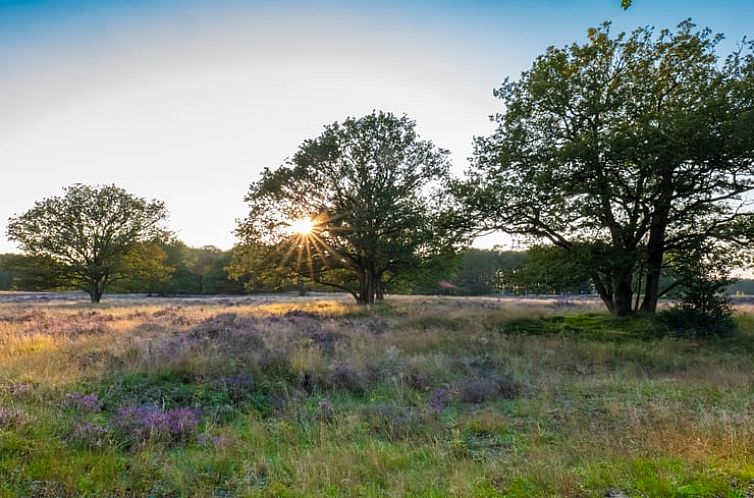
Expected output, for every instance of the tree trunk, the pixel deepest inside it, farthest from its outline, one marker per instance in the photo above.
(622, 292)
(363, 291)
(95, 291)
(371, 284)
(367, 287)
(656, 246)
(651, 289)
(605, 294)
(655, 255)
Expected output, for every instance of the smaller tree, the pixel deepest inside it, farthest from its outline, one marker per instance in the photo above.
(88, 236)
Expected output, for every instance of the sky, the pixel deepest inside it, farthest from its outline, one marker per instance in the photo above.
(188, 101)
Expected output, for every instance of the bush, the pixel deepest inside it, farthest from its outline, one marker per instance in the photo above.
(486, 389)
(89, 435)
(687, 321)
(346, 377)
(704, 311)
(704, 308)
(390, 421)
(138, 424)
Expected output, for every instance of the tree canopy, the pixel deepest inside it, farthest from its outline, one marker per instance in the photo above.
(639, 145)
(91, 237)
(370, 193)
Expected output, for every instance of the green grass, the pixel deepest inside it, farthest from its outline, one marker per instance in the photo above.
(331, 400)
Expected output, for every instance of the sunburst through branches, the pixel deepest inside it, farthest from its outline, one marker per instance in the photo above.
(308, 244)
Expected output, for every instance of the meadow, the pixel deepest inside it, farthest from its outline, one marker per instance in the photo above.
(416, 397)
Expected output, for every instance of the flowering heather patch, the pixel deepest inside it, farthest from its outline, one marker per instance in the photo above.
(225, 322)
(30, 316)
(84, 403)
(305, 322)
(139, 424)
(12, 418)
(323, 340)
(89, 435)
(438, 400)
(170, 315)
(230, 333)
(486, 389)
(418, 381)
(345, 376)
(82, 323)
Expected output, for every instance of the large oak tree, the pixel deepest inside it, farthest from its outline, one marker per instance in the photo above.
(639, 145)
(91, 237)
(374, 192)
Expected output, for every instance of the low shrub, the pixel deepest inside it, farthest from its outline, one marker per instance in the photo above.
(392, 421)
(346, 377)
(83, 403)
(89, 435)
(418, 380)
(487, 389)
(438, 401)
(13, 418)
(684, 321)
(139, 424)
(238, 387)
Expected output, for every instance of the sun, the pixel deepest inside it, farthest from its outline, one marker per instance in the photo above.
(303, 226)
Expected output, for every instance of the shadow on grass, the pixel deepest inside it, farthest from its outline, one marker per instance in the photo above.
(591, 326)
(602, 327)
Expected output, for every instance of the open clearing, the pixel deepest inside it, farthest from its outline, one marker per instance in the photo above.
(421, 396)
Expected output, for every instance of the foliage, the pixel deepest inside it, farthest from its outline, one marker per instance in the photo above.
(636, 145)
(549, 269)
(143, 266)
(197, 270)
(32, 273)
(703, 308)
(6, 273)
(90, 237)
(484, 271)
(139, 424)
(686, 320)
(375, 193)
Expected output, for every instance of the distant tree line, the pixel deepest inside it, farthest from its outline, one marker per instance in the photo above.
(177, 270)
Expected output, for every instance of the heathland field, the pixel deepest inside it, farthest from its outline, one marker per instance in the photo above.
(287, 397)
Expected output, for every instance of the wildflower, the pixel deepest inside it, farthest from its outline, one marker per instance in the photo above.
(86, 403)
(142, 423)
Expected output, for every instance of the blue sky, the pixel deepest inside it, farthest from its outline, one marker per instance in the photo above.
(187, 101)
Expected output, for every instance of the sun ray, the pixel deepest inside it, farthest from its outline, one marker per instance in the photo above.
(309, 259)
(287, 255)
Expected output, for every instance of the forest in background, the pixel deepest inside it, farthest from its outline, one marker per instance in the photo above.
(474, 272)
